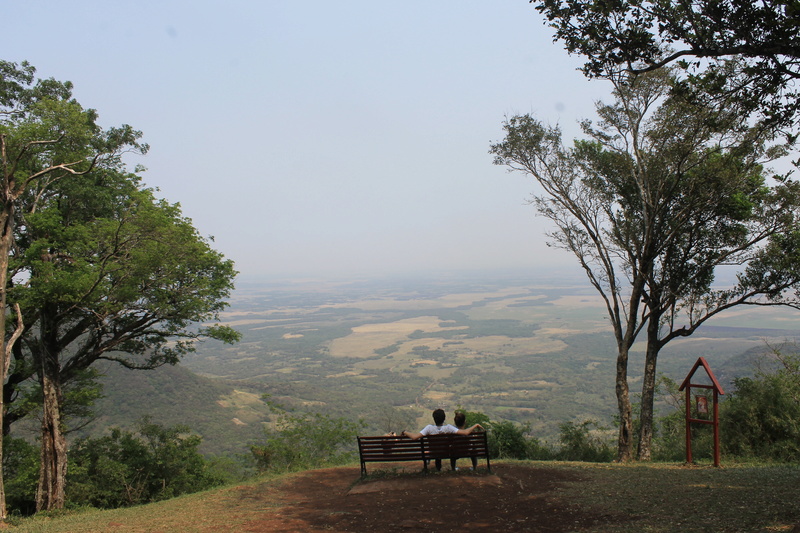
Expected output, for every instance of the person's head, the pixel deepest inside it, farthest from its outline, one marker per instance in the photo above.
(460, 419)
(438, 417)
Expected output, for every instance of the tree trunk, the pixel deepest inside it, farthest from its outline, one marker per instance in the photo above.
(649, 389)
(6, 237)
(625, 440)
(53, 470)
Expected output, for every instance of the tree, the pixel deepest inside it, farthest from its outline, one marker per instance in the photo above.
(665, 192)
(700, 35)
(45, 136)
(109, 272)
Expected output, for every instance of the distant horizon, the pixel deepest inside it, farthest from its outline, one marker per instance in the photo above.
(563, 273)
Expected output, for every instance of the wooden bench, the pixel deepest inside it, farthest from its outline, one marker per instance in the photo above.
(387, 449)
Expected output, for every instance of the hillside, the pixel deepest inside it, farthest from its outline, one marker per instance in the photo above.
(228, 415)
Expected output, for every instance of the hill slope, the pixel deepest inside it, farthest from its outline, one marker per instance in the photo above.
(228, 415)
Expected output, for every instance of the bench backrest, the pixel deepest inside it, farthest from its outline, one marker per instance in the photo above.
(450, 445)
(383, 448)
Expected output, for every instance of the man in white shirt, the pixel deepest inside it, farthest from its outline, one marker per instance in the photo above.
(438, 428)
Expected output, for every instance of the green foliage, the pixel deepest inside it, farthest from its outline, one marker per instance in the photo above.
(124, 468)
(307, 440)
(580, 443)
(749, 50)
(508, 440)
(20, 473)
(761, 419)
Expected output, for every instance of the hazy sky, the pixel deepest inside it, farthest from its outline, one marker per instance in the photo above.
(323, 138)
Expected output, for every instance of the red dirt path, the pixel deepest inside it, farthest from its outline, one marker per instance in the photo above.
(513, 498)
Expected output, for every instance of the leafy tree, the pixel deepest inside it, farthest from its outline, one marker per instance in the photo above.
(664, 193)
(110, 273)
(761, 418)
(125, 468)
(307, 440)
(101, 269)
(700, 35)
(45, 136)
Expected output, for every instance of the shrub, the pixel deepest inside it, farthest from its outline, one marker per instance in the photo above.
(20, 474)
(306, 440)
(580, 443)
(761, 419)
(124, 468)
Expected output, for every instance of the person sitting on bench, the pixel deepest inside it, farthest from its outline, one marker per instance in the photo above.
(460, 420)
(439, 428)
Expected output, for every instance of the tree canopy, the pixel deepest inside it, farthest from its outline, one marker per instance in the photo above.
(701, 35)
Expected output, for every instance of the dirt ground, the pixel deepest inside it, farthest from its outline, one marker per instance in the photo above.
(512, 498)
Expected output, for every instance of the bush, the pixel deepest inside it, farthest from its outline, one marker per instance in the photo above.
(579, 443)
(124, 469)
(306, 440)
(761, 419)
(21, 475)
(508, 440)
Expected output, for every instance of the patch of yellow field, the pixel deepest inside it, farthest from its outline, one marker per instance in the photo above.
(349, 373)
(542, 383)
(438, 396)
(405, 326)
(292, 335)
(498, 344)
(364, 340)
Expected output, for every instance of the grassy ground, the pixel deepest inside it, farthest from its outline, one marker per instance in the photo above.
(676, 498)
(653, 497)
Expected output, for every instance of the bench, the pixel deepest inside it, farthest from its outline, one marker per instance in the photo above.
(387, 449)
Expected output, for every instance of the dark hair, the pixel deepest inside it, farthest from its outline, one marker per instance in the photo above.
(460, 419)
(438, 417)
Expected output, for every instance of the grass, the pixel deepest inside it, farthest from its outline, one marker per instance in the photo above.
(655, 497)
(663, 498)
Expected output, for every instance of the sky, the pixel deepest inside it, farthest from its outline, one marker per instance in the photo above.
(324, 139)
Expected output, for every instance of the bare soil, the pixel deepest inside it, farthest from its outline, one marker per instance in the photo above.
(511, 498)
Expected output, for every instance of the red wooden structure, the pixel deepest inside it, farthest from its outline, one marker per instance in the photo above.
(702, 407)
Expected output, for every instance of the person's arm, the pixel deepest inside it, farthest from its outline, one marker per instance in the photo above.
(469, 430)
(411, 435)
